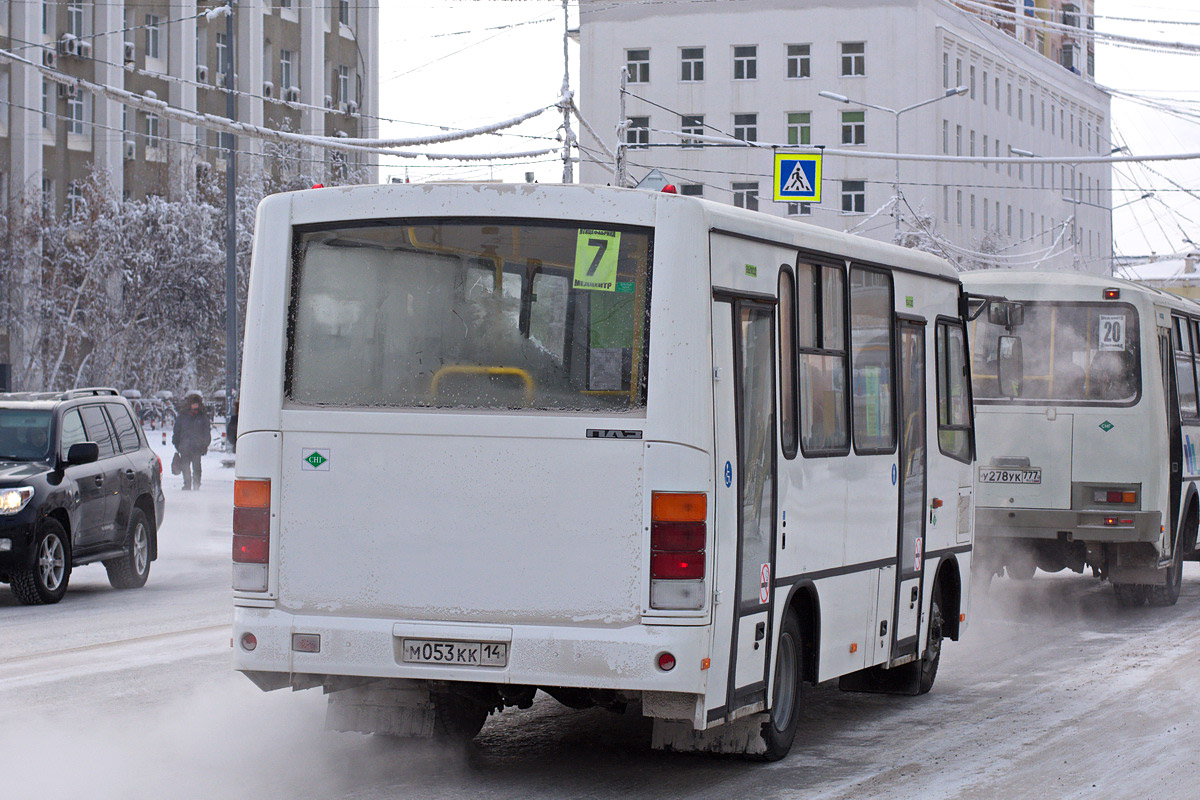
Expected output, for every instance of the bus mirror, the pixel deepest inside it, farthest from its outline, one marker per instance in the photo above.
(1010, 366)
(1006, 314)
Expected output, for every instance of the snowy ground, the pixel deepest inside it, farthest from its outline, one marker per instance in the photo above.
(1056, 692)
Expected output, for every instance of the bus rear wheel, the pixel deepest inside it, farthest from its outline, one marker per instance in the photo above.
(457, 719)
(779, 731)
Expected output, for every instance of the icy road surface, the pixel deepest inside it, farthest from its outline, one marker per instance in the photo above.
(1055, 693)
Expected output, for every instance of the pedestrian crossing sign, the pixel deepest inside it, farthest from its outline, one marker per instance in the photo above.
(797, 177)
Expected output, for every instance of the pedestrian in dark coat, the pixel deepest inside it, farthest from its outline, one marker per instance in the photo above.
(191, 437)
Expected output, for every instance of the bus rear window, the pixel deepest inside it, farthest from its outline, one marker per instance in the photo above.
(470, 314)
(1079, 353)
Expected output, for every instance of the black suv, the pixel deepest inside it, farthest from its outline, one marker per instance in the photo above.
(78, 484)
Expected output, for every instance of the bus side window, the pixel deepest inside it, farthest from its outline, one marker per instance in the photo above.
(787, 362)
(1185, 375)
(871, 344)
(822, 359)
(954, 414)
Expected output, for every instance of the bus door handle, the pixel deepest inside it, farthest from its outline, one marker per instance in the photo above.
(760, 633)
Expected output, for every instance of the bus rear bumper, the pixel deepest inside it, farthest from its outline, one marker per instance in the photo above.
(1068, 524)
(624, 658)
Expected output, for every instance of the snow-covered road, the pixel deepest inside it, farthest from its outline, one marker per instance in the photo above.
(1056, 692)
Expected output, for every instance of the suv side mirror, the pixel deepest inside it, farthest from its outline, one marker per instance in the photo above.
(83, 453)
(1011, 366)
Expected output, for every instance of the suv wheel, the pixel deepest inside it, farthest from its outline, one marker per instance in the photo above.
(44, 579)
(131, 570)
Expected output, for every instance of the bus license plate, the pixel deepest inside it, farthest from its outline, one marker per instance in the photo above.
(464, 654)
(992, 475)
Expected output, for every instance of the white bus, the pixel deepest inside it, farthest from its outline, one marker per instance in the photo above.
(628, 448)
(1085, 396)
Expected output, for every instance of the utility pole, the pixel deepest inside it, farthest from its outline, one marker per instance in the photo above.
(568, 135)
(619, 177)
(230, 221)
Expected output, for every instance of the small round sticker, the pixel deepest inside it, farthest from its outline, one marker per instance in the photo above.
(729, 475)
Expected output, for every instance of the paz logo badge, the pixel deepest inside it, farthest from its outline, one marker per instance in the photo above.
(314, 459)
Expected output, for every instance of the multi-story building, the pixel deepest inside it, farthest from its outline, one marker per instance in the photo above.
(300, 65)
(759, 71)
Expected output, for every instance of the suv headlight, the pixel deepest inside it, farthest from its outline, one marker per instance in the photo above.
(13, 500)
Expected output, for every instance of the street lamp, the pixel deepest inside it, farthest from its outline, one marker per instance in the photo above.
(841, 98)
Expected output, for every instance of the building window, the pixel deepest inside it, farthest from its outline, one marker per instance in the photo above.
(799, 61)
(285, 3)
(285, 71)
(47, 106)
(691, 64)
(854, 58)
(75, 19)
(958, 217)
(971, 206)
(854, 197)
(745, 195)
(152, 36)
(972, 81)
(958, 81)
(692, 189)
(1070, 15)
(945, 70)
(152, 130)
(745, 127)
(637, 135)
(1008, 93)
(958, 140)
(343, 84)
(637, 65)
(985, 148)
(222, 44)
(854, 127)
(692, 123)
(985, 87)
(75, 112)
(799, 209)
(946, 137)
(745, 62)
(1020, 104)
(74, 199)
(47, 196)
(343, 11)
(971, 140)
(799, 127)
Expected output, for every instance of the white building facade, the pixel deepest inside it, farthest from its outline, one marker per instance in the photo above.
(753, 70)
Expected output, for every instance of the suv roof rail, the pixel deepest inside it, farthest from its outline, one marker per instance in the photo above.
(93, 391)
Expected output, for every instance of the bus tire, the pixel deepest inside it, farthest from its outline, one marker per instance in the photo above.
(933, 645)
(1129, 595)
(1020, 564)
(1167, 594)
(779, 731)
(456, 718)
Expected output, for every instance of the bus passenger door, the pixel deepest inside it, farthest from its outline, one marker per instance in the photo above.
(913, 463)
(751, 472)
(1174, 434)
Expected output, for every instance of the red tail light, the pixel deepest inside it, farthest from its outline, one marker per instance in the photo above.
(251, 521)
(677, 566)
(678, 535)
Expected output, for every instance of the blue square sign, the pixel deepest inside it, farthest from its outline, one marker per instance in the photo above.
(797, 177)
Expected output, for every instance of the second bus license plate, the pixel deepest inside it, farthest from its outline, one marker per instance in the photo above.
(993, 475)
(464, 654)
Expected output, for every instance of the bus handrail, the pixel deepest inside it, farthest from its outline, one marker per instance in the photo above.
(466, 369)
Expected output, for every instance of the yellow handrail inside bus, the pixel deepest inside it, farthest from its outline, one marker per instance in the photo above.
(465, 369)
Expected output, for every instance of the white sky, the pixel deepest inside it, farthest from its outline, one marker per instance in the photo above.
(448, 62)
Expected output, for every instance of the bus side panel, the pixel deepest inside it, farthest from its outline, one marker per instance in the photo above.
(846, 600)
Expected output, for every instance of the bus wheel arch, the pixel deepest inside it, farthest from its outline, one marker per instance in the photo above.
(947, 588)
(805, 605)
(1190, 521)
